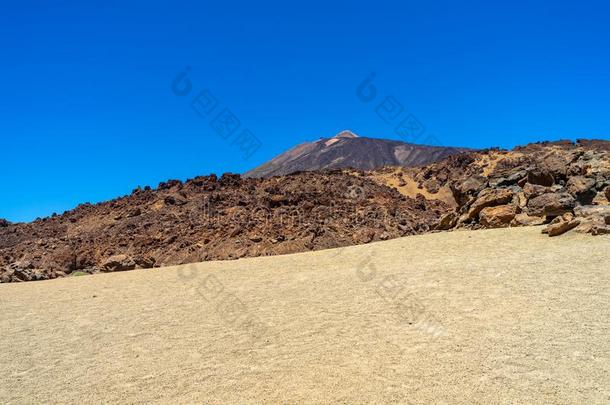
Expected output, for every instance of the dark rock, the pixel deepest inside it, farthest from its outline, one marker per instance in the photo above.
(582, 188)
(540, 177)
(551, 204)
(600, 230)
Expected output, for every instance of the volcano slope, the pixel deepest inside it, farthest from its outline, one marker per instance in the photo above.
(486, 316)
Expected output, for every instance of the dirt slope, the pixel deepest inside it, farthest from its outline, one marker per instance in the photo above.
(489, 316)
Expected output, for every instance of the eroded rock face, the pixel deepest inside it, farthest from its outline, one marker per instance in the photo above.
(546, 180)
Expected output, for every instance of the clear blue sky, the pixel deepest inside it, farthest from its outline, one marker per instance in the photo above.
(87, 112)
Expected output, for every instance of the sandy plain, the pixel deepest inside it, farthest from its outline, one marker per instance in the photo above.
(491, 316)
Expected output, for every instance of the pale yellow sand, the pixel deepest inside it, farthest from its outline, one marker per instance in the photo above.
(497, 316)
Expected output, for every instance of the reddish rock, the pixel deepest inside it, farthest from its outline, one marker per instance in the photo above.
(561, 227)
(497, 217)
(490, 198)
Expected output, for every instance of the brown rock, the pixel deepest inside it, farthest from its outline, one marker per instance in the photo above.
(524, 219)
(579, 184)
(468, 187)
(534, 190)
(120, 262)
(496, 217)
(596, 213)
(582, 188)
(363, 235)
(561, 227)
(490, 198)
(540, 177)
(551, 204)
(447, 221)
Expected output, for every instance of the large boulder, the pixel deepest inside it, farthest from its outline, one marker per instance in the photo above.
(591, 211)
(551, 204)
(541, 177)
(534, 190)
(490, 198)
(118, 263)
(498, 216)
(470, 186)
(582, 188)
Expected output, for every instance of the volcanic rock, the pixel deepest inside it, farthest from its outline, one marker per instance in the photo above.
(119, 263)
(582, 188)
(497, 217)
(524, 219)
(561, 226)
(551, 204)
(490, 198)
(540, 177)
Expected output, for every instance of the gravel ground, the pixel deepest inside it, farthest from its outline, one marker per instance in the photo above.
(492, 316)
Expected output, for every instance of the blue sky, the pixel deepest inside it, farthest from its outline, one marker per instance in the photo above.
(88, 111)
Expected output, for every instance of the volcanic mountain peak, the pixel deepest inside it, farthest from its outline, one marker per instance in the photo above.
(348, 150)
(346, 134)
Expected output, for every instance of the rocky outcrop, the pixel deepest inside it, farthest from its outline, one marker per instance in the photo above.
(210, 218)
(532, 185)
